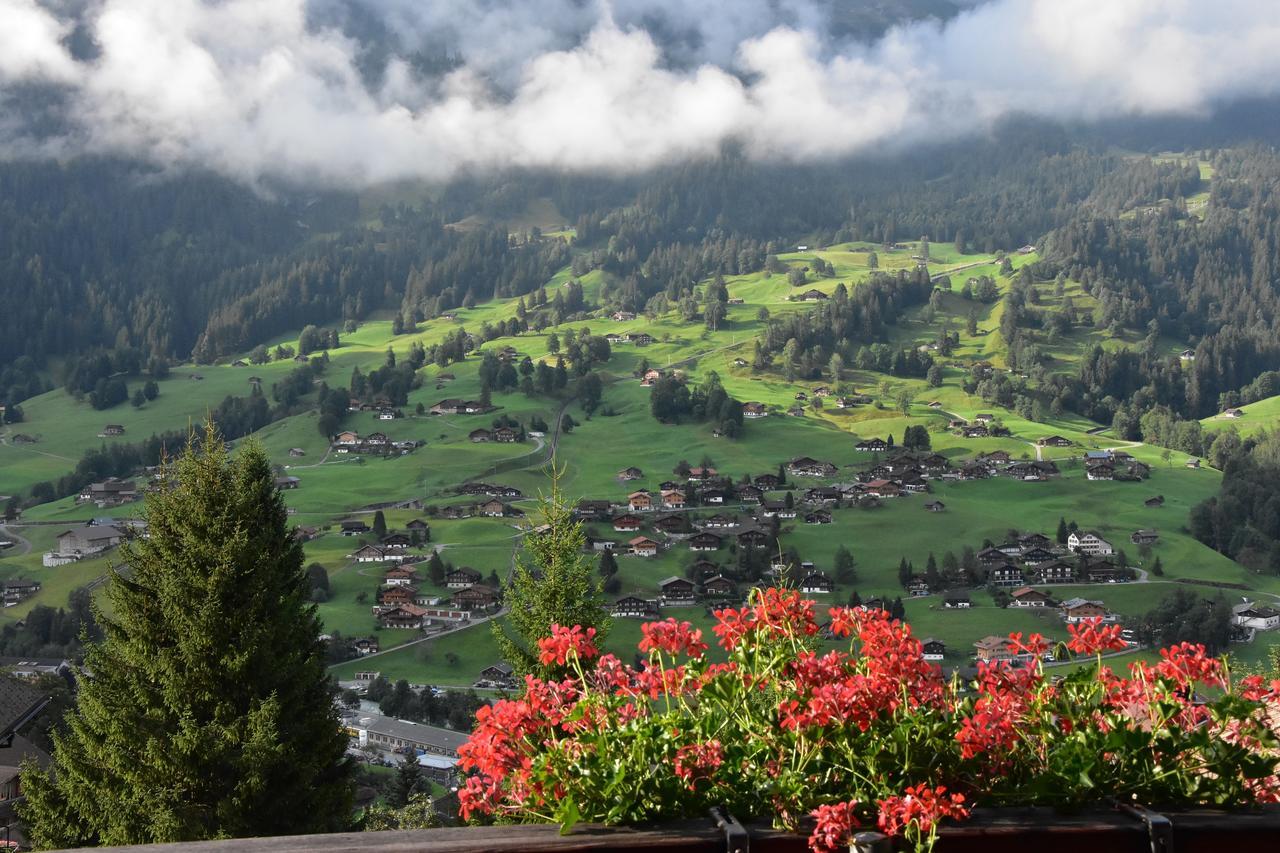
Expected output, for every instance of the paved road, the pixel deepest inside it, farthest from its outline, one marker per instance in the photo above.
(459, 627)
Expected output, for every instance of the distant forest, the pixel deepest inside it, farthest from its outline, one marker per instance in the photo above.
(106, 263)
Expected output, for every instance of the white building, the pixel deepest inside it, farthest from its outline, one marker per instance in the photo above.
(1091, 544)
(1255, 616)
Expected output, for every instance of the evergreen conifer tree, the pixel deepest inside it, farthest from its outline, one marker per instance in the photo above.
(556, 587)
(209, 713)
(408, 781)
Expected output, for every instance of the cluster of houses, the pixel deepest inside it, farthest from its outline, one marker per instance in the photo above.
(459, 407)
(1072, 610)
(640, 339)
(1114, 465)
(400, 604)
(109, 493)
(710, 587)
(382, 408)
(983, 425)
(502, 434)
(1034, 558)
(373, 444)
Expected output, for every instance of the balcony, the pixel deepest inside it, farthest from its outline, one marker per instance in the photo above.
(993, 831)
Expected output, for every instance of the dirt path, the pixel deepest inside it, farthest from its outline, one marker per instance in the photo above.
(24, 547)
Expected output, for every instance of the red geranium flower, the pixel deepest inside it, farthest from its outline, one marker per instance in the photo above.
(564, 642)
(922, 807)
(672, 637)
(1092, 637)
(835, 827)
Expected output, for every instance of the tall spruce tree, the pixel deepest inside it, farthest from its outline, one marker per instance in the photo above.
(209, 713)
(554, 586)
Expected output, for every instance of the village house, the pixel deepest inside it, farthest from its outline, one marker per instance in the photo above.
(673, 499)
(461, 578)
(634, 607)
(992, 556)
(501, 675)
(1193, 463)
(1007, 575)
(714, 497)
(802, 396)
(297, 452)
(882, 489)
(704, 568)
(1144, 537)
(643, 546)
(1075, 610)
(623, 316)
(1233, 413)
(820, 516)
(627, 523)
(110, 492)
(480, 436)
(812, 295)
(419, 527)
(935, 506)
(88, 541)
(111, 430)
(678, 591)
(1028, 597)
(364, 645)
(676, 526)
(506, 435)
(753, 539)
(369, 554)
(918, 587)
(397, 596)
(700, 474)
(287, 483)
(1038, 556)
(353, 527)
(1090, 544)
(1100, 471)
(402, 616)
(493, 508)
(640, 501)
(816, 583)
(400, 576)
(640, 339)
(396, 541)
(956, 600)
(871, 445)
(458, 407)
(1056, 572)
(805, 466)
(650, 377)
(719, 522)
(995, 649)
(822, 495)
(1107, 572)
(475, 597)
(754, 410)
(632, 473)
(593, 510)
(1054, 441)
(705, 542)
(720, 587)
(17, 590)
(1255, 616)
(933, 650)
(750, 494)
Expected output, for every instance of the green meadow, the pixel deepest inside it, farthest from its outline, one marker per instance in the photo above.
(623, 434)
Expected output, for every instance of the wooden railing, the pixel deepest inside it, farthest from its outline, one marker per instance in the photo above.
(1003, 831)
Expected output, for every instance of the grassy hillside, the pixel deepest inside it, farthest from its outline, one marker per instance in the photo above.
(337, 486)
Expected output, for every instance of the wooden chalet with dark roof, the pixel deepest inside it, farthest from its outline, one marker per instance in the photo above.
(719, 587)
(871, 445)
(462, 577)
(634, 607)
(1007, 575)
(476, 597)
(675, 525)
(705, 542)
(677, 591)
(818, 516)
(627, 523)
(1028, 597)
(768, 482)
(753, 538)
(1056, 571)
(816, 583)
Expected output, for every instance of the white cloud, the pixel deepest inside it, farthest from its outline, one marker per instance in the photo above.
(254, 88)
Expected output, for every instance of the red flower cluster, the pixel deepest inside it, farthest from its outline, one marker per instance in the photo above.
(1091, 637)
(922, 807)
(697, 760)
(774, 613)
(673, 638)
(1188, 664)
(836, 824)
(791, 717)
(564, 642)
